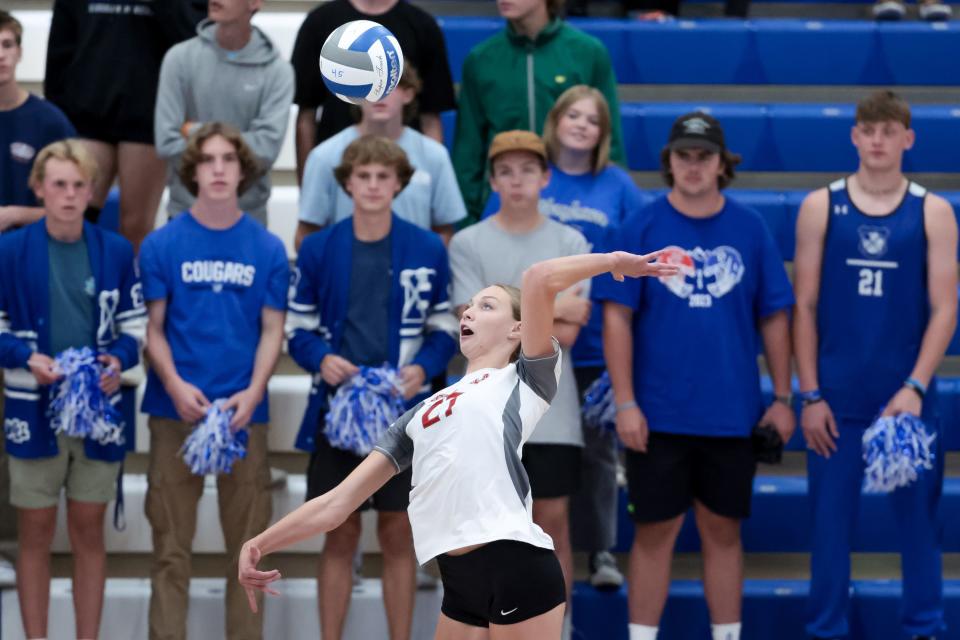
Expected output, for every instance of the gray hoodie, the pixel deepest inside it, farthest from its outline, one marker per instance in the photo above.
(252, 89)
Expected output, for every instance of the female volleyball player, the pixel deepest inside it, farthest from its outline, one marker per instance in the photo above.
(470, 506)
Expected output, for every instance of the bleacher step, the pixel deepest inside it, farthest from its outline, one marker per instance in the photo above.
(293, 616)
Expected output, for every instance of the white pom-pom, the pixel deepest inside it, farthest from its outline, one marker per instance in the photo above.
(78, 406)
(895, 451)
(213, 446)
(363, 408)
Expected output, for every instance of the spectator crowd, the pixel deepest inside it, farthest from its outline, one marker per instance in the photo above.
(395, 236)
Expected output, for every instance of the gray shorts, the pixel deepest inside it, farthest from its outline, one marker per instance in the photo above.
(35, 483)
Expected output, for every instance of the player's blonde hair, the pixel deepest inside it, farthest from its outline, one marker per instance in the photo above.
(514, 294)
(69, 150)
(601, 153)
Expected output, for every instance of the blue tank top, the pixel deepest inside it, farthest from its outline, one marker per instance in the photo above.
(873, 306)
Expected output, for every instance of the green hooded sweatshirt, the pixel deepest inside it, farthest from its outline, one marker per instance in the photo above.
(511, 82)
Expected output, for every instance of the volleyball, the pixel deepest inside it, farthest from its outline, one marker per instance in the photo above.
(361, 60)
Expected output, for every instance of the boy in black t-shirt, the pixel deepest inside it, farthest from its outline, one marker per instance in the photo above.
(422, 44)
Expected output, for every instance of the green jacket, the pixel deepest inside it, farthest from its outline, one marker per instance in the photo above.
(510, 82)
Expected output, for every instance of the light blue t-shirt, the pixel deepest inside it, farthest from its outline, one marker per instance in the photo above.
(216, 283)
(430, 200)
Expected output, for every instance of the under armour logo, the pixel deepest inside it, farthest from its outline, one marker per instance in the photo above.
(840, 210)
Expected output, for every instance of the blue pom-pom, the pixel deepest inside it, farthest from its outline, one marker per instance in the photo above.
(363, 408)
(78, 406)
(599, 409)
(895, 451)
(213, 447)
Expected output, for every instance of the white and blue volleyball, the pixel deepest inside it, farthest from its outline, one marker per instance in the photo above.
(361, 60)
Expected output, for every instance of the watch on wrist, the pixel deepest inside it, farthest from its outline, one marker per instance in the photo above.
(787, 400)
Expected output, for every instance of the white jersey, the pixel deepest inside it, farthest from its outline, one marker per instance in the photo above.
(465, 443)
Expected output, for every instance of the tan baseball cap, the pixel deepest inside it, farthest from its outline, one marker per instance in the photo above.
(517, 140)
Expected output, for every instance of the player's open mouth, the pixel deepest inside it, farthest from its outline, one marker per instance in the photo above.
(465, 331)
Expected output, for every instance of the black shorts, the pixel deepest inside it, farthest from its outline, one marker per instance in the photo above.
(115, 128)
(678, 469)
(503, 582)
(553, 469)
(329, 466)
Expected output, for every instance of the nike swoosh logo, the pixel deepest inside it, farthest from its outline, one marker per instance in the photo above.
(506, 613)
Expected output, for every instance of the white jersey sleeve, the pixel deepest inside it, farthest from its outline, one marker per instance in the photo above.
(396, 444)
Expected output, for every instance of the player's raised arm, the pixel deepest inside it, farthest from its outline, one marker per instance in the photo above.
(544, 280)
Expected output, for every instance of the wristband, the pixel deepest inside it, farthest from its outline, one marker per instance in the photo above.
(783, 400)
(917, 386)
(810, 397)
(623, 406)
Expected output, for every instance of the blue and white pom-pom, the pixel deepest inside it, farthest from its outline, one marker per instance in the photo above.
(599, 409)
(895, 451)
(213, 446)
(78, 406)
(363, 408)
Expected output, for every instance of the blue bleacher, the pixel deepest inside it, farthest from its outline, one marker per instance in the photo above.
(770, 51)
(772, 610)
(780, 520)
(777, 137)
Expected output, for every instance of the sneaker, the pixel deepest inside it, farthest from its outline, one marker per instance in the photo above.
(604, 574)
(934, 11)
(425, 580)
(8, 575)
(889, 10)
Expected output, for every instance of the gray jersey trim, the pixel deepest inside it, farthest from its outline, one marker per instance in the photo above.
(396, 444)
(512, 434)
(540, 373)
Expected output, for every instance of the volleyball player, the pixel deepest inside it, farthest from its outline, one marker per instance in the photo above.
(471, 504)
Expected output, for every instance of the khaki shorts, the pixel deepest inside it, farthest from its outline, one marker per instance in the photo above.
(35, 483)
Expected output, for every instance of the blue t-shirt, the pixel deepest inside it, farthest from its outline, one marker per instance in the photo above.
(595, 205)
(24, 131)
(695, 335)
(216, 283)
(366, 330)
(432, 198)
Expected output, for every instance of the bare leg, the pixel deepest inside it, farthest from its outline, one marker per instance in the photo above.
(553, 516)
(106, 156)
(649, 580)
(546, 626)
(336, 576)
(449, 629)
(722, 564)
(399, 571)
(143, 175)
(85, 526)
(35, 529)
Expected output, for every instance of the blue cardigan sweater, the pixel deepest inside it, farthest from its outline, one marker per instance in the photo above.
(120, 319)
(421, 324)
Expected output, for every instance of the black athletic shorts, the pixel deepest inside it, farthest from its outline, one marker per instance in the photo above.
(113, 128)
(503, 582)
(678, 469)
(329, 466)
(553, 469)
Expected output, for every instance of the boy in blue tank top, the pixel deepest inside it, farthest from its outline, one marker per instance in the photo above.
(682, 357)
(868, 340)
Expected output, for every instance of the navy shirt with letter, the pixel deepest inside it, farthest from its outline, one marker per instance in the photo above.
(695, 334)
(216, 283)
(24, 131)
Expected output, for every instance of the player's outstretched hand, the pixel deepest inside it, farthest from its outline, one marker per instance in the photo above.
(631, 265)
(253, 579)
